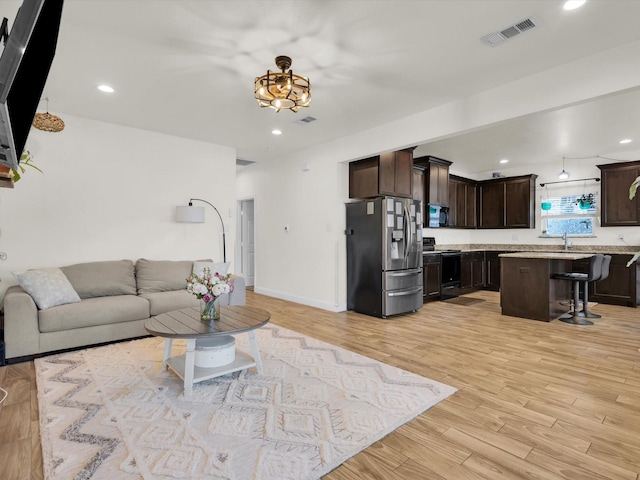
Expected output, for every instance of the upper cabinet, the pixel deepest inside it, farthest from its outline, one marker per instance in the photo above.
(436, 180)
(617, 209)
(418, 188)
(462, 202)
(389, 173)
(507, 202)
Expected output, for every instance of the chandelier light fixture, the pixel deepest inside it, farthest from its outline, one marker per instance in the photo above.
(283, 90)
(48, 122)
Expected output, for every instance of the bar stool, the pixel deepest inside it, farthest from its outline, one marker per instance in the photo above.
(606, 262)
(595, 271)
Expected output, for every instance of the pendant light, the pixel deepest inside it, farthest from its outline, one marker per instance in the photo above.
(47, 121)
(563, 175)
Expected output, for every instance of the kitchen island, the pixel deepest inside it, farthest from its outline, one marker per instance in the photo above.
(527, 289)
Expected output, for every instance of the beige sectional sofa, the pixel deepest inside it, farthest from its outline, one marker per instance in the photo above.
(114, 299)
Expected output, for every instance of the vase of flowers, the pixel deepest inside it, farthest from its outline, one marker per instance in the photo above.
(208, 288)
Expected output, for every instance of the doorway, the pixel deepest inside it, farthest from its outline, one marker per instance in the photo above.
(246, 240)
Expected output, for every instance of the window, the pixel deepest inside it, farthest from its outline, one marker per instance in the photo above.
(569, 214)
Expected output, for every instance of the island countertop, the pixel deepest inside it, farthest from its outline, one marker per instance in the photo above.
(549, 255)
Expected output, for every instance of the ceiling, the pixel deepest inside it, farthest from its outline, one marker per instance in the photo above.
(582, 131)
(187, 68)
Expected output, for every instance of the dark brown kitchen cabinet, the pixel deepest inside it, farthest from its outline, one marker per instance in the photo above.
(389, 173)
(491, 205)
(418, 189)
(462, 202)
(492, 281)
(472, 267)
(507, 202)
(436, 179)
(620, 287)
(431, 276)
(617, 209)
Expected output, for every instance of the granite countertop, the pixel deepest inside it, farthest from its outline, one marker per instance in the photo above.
(548, 255)
(605, 249)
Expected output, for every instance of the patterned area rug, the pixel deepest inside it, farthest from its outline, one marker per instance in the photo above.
(112, 413)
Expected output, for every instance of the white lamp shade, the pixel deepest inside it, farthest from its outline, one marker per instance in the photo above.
(190, 214)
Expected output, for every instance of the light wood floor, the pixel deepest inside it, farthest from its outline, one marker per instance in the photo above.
(536, 400)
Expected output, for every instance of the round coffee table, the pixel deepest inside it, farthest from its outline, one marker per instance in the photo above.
(186, 324)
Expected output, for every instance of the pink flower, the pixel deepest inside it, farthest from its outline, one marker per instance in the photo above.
(207, 298)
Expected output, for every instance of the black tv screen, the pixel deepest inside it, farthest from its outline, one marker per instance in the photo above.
(24, 67)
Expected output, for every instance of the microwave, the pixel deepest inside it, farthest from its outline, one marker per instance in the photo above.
(438, 216)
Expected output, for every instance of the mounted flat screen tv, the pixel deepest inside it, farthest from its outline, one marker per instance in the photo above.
(28, 52)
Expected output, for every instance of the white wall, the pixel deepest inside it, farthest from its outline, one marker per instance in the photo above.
(109, 192)
(308, 264)
(302, 264)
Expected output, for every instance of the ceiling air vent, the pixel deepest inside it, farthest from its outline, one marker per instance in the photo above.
(305, 120)
(242, 163)
(498, 38)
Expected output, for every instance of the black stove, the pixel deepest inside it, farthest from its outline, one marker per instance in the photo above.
(449, 268)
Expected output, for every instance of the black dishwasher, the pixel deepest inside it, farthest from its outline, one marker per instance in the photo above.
(450, 268)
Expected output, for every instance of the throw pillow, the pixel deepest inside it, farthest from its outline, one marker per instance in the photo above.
(221, 268)
(48, 287)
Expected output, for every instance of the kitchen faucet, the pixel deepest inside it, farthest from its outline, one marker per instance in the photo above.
(566, 244)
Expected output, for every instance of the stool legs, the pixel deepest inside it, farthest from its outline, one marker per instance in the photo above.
(585, 300)
(575, 317)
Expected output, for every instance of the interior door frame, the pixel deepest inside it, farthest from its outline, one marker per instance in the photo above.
(241, 256)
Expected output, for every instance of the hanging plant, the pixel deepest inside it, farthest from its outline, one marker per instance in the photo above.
(633, 188)
(632, 193)
(26, 159)
(585, 202)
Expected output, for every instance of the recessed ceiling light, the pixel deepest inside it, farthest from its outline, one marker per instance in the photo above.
(276, 132)
(573, 4)
(106, 89)
(504, 160)
(625, 140)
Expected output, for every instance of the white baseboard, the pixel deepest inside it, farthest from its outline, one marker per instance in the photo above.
(311, 302)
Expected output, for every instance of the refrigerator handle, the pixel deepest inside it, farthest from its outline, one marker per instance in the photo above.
(408, 237)
(404, 292)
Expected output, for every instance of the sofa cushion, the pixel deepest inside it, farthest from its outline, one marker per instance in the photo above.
(161, 302)
(154, 276)
(48, 287)
(93, 311)
(102, 279)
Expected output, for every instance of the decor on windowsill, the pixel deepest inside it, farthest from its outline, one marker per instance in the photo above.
(208, 288)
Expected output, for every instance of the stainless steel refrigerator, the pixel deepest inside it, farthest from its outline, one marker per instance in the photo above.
(384, 256)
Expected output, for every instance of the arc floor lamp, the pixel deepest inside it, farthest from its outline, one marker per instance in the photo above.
(191, 214)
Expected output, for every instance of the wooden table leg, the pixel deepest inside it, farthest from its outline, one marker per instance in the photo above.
(189, 364)
(168, 343)
(255, 352)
